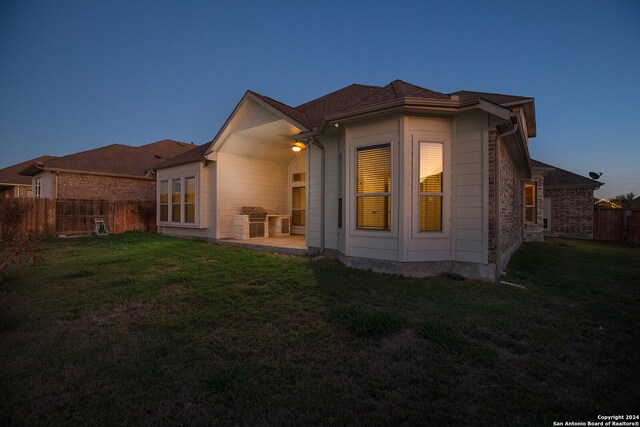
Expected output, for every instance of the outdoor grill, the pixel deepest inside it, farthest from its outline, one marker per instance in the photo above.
(257, 219)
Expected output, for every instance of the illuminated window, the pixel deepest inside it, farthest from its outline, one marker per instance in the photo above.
(300, 176)
(178, 200)
(190, 199)
(176, 194)
(530, 202)
(430, 186)
(164, 200)
(373, 189)
(298, 206)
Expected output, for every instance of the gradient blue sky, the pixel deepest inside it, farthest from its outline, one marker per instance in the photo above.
(76, 75)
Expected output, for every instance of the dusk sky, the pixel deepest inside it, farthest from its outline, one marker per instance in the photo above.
(76, 75)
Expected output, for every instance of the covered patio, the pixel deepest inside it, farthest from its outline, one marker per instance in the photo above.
(291, 245)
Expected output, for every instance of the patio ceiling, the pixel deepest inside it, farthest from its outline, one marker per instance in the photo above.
(269, 141)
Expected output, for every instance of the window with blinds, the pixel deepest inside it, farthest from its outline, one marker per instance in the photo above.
(176, 194)
(164, 200)
(190, 199)
(430, 186)
(373, 187)
(530, 202)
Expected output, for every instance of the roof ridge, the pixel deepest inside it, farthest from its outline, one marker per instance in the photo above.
(489, 93)
(420, 87)
(331, 93)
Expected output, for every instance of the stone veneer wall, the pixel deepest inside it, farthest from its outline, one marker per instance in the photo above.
(83, 186)
(571, 212)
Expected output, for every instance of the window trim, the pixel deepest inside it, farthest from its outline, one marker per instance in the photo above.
(439, 138)
(169, 178)
(37, 187)
(535, 202)
(353, 175)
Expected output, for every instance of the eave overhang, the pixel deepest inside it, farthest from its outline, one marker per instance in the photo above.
(407, 106)
(36, 169)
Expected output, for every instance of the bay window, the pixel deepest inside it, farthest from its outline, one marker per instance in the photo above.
(164, 201)
(373, 187)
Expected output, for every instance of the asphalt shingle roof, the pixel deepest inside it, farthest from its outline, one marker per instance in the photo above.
(9, 175)
(194, 155)
(560, 177)
(120, 159)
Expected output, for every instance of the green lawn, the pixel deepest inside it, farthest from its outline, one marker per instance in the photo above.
(143, 329)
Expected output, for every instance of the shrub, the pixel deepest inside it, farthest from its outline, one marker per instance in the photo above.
(16, 247)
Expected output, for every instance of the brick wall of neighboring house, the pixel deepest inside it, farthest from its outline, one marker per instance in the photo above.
(18, 191)
(511, 217)
(533, 232)
(83, 186)
(571, 212)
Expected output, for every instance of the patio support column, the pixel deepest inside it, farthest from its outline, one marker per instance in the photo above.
(317, 143)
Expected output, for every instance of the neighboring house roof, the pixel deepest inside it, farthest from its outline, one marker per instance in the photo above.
(563, 178)
(636, 203)
(10, 175)
(115, 159)
(194, 155)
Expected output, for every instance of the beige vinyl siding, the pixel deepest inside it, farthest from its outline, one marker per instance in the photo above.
(205, 199)
(426, 246)
(331, 193)
(375, 244)
(244, 181)
(470, 188)
(47, 184)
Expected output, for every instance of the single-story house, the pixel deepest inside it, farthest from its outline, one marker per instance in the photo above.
(12, 184)
(113, 172)
(568, 202)
(397, 178)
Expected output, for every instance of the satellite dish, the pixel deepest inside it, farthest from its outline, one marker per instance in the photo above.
(595, 175)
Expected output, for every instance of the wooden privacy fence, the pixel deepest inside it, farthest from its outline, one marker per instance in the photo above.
(74, 217)
(616, 224)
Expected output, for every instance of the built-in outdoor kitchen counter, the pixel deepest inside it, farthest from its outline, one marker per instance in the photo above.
(256, 222)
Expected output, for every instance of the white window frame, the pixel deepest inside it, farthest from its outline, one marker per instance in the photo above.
(182, 177)
(393, 221)
(435, 138)
(37, 187)
(535, 202)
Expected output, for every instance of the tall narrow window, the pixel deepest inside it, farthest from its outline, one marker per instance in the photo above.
(37, 188)
(298, 206)
(164, 200)
(530, 202)
(430, 186)
(176, 206)
(373, 189)
(190, 199)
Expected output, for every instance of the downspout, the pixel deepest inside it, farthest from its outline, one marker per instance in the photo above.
(499, 137)
(314, 141)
